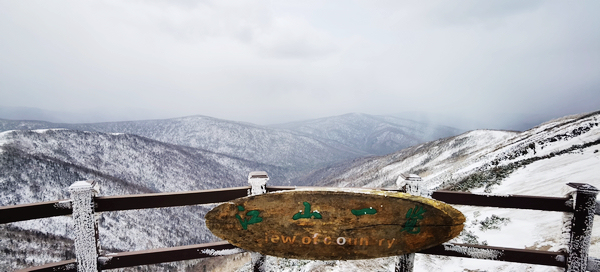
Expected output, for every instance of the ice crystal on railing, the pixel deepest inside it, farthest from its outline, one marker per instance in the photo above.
(86, 248)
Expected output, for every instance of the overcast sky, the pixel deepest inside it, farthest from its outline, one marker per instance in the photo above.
(264, 62)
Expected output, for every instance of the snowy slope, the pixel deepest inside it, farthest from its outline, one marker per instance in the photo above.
(438, 161)
(447, 161)
(539, 161)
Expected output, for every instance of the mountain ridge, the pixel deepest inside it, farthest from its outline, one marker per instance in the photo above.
(284, 147)
(539, 162)
(397, 133)
(40, 165)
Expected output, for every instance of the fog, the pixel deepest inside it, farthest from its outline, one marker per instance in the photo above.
(473, 64)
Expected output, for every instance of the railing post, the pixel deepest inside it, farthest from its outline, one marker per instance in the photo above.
(405, 263)
(85, 225)
(581, 226)
(411, 186)
(258, 181)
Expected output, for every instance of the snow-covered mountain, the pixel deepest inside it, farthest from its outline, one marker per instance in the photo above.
(6, 125)
(39, 160)
(448, 162)
(539, 161)
(302, 145)
(252, 142)
(379, 135)
(40, 165)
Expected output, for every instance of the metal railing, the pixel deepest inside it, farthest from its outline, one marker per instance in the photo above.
(582, 206)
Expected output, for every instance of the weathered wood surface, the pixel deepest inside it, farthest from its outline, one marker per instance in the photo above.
(335, 225)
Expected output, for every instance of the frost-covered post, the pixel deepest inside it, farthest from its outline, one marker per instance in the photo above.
(411, 184)
(581, 226)
(405, 263)
(85, 225)
(258, 181)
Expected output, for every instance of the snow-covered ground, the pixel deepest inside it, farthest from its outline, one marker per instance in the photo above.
(531, 229)
(539, 162)
(527, 229)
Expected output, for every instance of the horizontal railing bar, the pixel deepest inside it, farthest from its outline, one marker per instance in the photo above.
(181, 253)
(145, 201)
(70, 265)
(286, 188)
(542, 203)
(144, 257)
(39, 210)
(163, 255)
(539, 257)
(160, 200)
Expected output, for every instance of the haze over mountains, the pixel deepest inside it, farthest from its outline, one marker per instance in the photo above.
(507, 121)
(377, 135)
(328, 140)
(39, 160)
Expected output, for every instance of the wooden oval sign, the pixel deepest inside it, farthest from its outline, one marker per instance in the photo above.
(335, 225)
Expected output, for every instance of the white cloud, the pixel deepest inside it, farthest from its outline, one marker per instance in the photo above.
(301, 59)
(290, 37)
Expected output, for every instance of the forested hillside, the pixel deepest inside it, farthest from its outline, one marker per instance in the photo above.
(40, 165)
